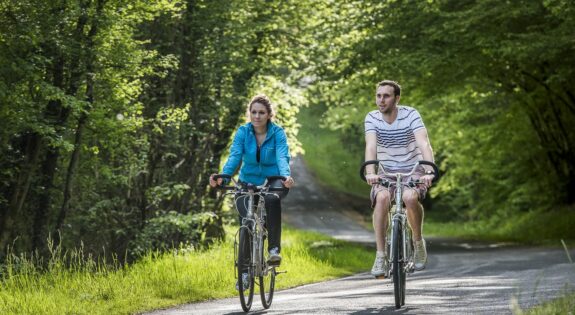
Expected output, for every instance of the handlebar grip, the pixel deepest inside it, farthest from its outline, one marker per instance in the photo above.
(362, 169)
(272, 180)
(227, 178)
(272, 189)
(224, 176)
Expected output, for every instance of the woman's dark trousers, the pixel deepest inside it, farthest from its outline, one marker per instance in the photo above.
(273, 220)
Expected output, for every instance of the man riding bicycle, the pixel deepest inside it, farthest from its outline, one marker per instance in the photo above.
(396, 135)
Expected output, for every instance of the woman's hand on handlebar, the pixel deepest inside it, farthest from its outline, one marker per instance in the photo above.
(215, 183)
(289, 182)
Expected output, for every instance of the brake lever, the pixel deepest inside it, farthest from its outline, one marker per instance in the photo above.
(384, 182)
(413, 183)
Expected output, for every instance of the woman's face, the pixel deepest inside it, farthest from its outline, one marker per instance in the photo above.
(259, 115)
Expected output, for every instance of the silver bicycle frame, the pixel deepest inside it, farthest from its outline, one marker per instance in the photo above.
(399, 214)
(256, 218)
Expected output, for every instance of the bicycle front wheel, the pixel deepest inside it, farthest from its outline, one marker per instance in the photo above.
(397, 265)
(267, 278)
(408, 259)
(244, 265)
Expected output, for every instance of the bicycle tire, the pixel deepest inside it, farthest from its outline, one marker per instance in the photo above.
(408, 261)
(397, 265)
(267, 278)
(245, 255)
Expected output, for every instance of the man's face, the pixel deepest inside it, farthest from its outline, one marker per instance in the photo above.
(385, 99)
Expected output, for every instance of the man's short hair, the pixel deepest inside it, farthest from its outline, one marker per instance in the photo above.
(395, 85)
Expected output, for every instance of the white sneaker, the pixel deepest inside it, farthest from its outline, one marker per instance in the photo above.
(420, 255)
(274, 257)
(379, 266)
(245, 282)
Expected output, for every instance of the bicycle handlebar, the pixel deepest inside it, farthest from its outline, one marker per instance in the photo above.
(244, 187)
(421, 162)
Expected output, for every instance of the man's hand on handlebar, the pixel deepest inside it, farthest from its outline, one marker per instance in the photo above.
(372, 179)
(426, 180)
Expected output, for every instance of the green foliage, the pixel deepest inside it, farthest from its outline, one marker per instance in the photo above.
(491, 80)
(166, 192)
(333, 159)
(120, 111)
(173, 230)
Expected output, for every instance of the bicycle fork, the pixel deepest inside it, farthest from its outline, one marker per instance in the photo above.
(398, 218)
(258, 263)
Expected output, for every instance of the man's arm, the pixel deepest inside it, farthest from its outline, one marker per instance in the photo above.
(422, 142)
(371, 154)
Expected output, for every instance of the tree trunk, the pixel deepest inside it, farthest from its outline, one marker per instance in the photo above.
(69, 177)
(20, 188)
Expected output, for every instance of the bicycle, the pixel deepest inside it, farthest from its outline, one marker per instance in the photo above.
(399, 245)
(250, 250)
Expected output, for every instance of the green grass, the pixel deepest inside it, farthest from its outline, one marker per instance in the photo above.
(536, 227)
(560, 306)
(83, 286)
(564, 305)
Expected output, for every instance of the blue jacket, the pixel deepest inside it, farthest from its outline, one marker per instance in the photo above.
(274, 154)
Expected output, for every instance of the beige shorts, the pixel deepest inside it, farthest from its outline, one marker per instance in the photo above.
(420, 189)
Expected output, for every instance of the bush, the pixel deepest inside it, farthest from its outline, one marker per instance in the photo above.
(174, 230)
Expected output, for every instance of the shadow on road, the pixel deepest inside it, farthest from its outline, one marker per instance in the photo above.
(385, 310)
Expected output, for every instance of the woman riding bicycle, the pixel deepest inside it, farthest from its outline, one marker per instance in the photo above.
(262, 147)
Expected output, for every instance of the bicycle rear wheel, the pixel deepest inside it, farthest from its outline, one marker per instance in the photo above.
(397, 265)
(244, 266)
(268, 278)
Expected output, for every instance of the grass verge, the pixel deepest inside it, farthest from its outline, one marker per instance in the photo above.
(72, 284)
(536, 228)
(560, 306)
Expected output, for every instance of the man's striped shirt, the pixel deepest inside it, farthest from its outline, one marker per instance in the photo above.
(396, 141)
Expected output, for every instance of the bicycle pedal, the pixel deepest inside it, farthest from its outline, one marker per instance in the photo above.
(280, 272)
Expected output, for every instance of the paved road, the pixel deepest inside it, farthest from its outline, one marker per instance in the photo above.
(311, 207)
(461, 278)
